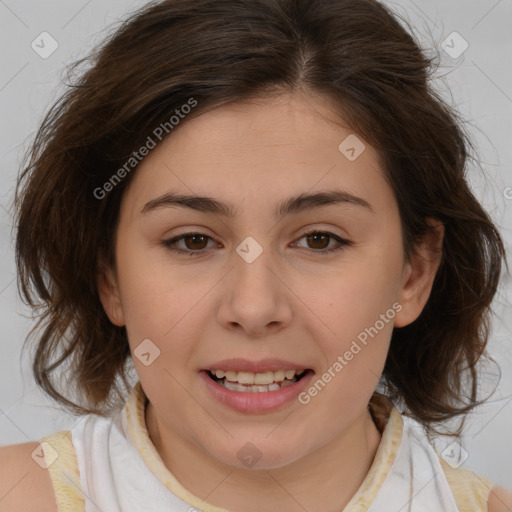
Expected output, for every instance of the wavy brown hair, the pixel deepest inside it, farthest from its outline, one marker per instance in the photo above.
(357, 53)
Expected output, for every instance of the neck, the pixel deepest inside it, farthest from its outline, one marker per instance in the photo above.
(325, 479)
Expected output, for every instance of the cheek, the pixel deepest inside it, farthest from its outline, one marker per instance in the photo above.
(149, 282)
(355, 297)
(359, 330)
(357, 305)
(353, 337)
(157, 301)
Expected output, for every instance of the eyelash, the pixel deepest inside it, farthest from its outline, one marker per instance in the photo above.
(343, 243)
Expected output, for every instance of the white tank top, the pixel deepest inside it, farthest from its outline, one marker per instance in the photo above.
(111, 465)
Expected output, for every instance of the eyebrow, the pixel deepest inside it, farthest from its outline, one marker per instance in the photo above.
(293, 205)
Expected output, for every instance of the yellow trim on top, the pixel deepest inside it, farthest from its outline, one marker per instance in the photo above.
(135, 414)
(62, 463)
(470, 490)
(384, 457)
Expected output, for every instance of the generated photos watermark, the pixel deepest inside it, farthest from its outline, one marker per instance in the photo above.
(343, 360)
(136, 157)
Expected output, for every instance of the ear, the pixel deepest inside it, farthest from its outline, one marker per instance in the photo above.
(419, 274)
(108, 291)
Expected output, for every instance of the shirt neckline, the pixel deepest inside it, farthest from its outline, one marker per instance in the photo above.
(386, 452)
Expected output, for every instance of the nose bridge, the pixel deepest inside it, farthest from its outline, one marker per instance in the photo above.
(253, 274)
(255, 296)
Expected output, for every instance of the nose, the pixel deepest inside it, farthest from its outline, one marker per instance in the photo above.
(255, 297)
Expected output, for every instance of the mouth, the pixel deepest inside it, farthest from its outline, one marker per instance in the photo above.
(248, 382)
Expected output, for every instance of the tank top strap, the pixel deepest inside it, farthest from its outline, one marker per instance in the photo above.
(61, 460)
(471, 491)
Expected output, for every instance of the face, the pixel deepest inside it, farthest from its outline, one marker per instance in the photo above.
(255, 290)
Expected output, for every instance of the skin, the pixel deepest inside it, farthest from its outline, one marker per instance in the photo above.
(291, 302)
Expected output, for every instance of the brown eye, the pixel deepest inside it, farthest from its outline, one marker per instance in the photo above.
(318, 240)
(195, 242)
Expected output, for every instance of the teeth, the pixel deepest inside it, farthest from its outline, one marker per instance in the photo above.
(253, 389)
(231, 376)
(259, 379)
(264, 378)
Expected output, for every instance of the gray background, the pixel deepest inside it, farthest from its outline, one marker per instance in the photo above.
(478, 82)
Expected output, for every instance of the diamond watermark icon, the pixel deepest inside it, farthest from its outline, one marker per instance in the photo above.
(454, 454)
(249, 249)
(147, 352)
(45, 455)
(454, 45)
(44, 45)
(249, 455)
(352, 147)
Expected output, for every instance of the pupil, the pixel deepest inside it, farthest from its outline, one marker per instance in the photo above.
(318, 235)
(194, 238)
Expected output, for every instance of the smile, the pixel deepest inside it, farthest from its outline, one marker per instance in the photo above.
(248, 382)
(256, 398)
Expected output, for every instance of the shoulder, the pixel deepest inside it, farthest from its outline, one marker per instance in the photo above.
(474, 492)
(25, 482)
(500, 500)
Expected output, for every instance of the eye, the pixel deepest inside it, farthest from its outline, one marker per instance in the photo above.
(195, 243)
(319, 238)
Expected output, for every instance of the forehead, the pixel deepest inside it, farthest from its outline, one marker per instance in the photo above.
(278, 147)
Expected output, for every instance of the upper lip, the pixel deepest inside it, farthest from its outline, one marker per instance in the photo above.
(265, 365)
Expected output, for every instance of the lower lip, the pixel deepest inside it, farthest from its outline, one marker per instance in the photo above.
(256, 402)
